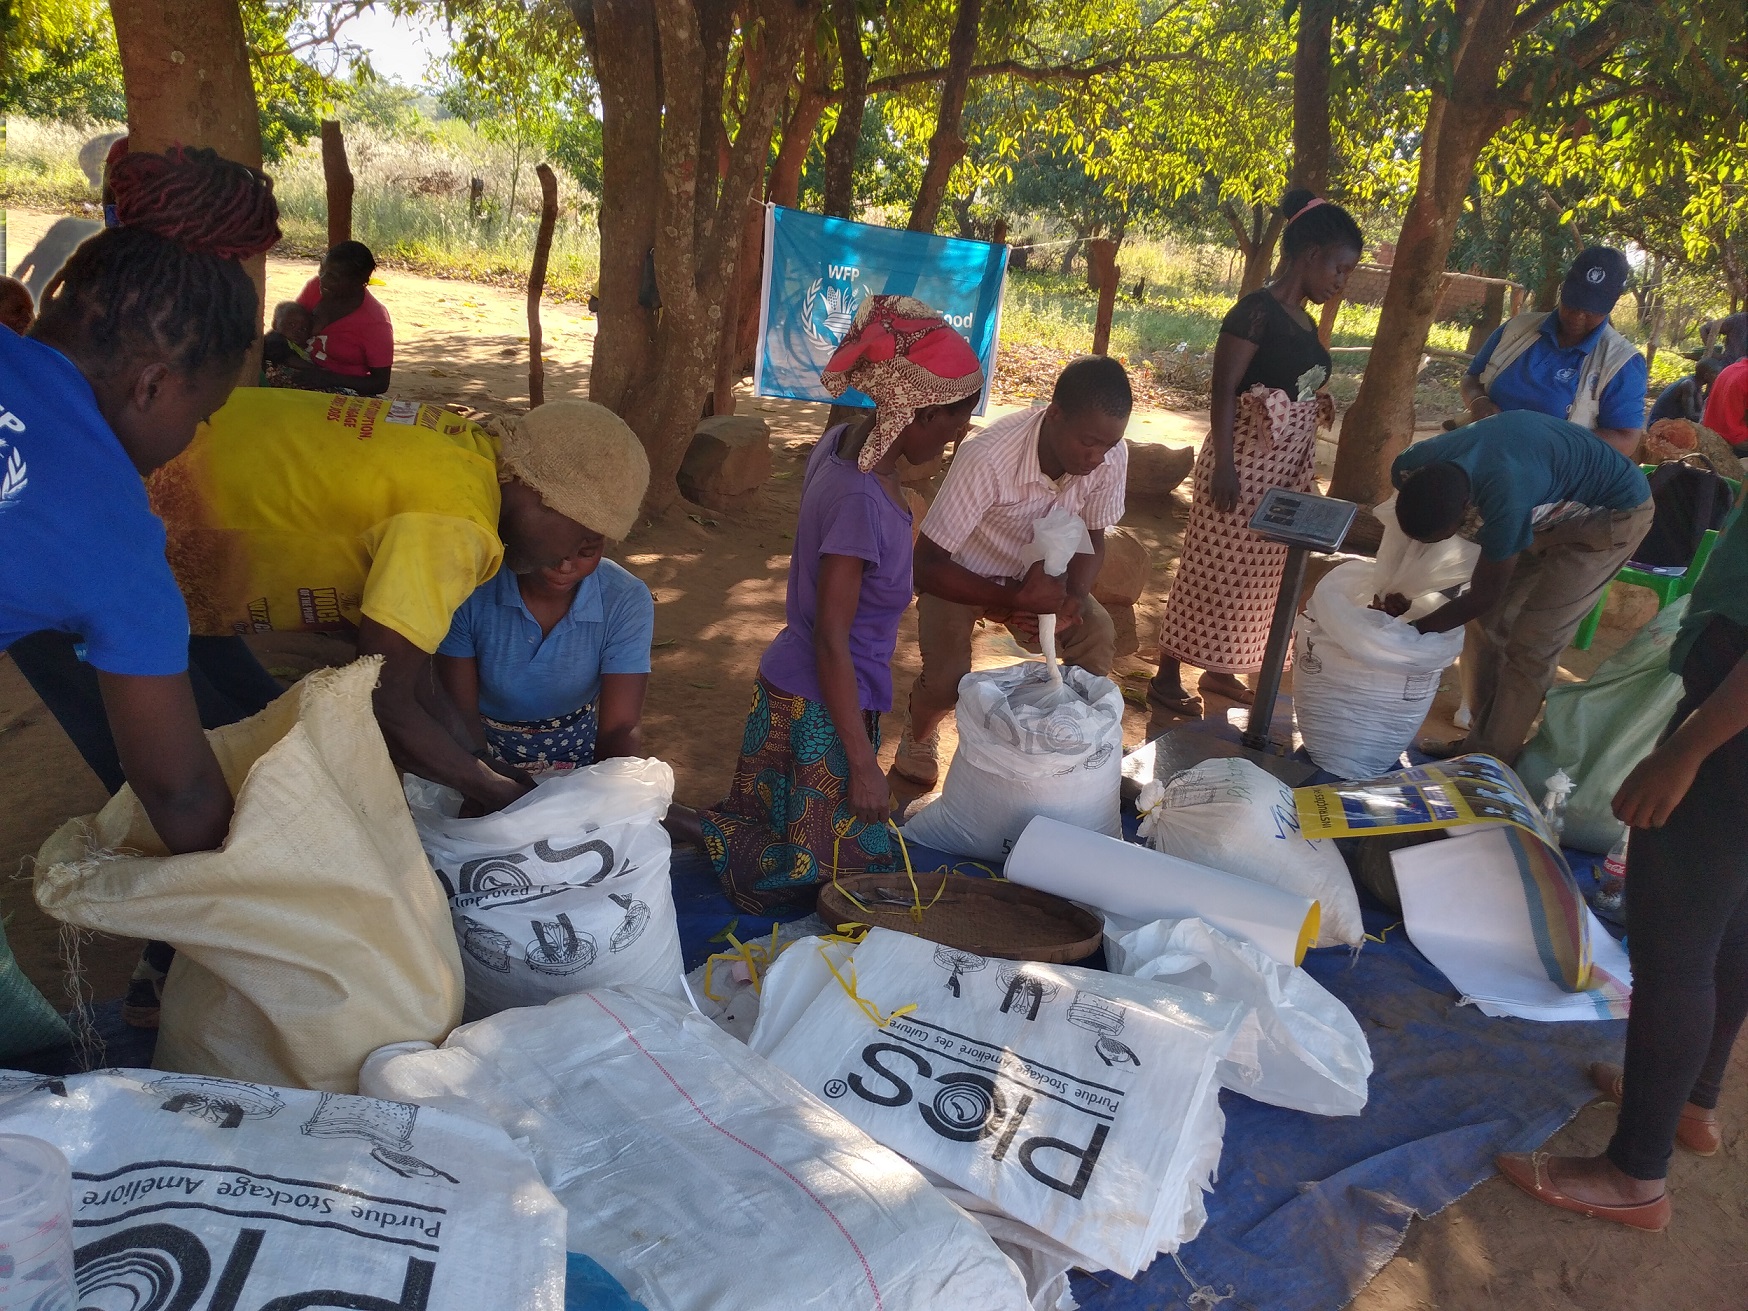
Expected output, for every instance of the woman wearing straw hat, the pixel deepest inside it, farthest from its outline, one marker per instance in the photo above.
(551, 656)
(808, 791)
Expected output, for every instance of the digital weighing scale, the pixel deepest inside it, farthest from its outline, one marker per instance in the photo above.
(1303, 522)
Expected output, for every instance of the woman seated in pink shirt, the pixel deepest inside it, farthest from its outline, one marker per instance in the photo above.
(352, 342)
(809, 777)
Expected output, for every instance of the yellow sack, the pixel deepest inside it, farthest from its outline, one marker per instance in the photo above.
(316, 935)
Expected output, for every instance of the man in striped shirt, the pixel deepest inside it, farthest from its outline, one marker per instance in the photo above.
(1003, 479)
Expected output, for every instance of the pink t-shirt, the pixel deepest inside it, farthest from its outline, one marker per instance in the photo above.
(354, 345)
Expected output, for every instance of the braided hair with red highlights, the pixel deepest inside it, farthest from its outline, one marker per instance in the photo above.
(167, 281)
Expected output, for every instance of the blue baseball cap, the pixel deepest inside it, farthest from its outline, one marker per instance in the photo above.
(1595, 280)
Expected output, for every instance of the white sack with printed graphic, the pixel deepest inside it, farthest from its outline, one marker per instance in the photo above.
(1082, 1104)
(191, 1191)
(564, 890)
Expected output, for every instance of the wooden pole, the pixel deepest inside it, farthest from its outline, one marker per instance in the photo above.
(537, 282)
(337, 174)
(1102, 259)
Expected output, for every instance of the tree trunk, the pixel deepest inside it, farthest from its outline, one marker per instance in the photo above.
(537, 282)
(1311, 65)
(1492, 311)
(1068, 253)
(840, 146)
(337, 175)
(1102, 259)
(1257, 244)
(947, 146)
(740, 305)
(656, 111)
(1654, 288)
(185, 72)
(1459, 124)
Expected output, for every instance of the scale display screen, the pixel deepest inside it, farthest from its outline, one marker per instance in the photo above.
(1303, 519)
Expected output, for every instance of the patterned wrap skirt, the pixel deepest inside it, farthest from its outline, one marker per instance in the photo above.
(1218, 612)
(771, 842)
(542, 745)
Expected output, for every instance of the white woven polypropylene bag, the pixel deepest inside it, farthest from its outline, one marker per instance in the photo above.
(698, 1174)
(565, 889)
(190, 1191)
(1083, 1104)
(1027, 748)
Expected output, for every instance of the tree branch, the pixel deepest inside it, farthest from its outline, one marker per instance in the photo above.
(1024, 72)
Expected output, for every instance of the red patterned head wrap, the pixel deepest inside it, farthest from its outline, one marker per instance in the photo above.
(907, 357)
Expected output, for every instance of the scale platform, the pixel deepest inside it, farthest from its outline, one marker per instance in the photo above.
(1302, 522)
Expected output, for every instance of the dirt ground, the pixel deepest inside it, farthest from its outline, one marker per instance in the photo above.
(719, 581)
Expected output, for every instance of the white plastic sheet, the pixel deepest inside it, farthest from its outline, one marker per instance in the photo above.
(1123, 878)
(1298, 1047)
(563, 890)
(1082, 1104)
(1233, 815)
(191, 1191)
(1467, 904)
(699, 1175)
(1027, 748)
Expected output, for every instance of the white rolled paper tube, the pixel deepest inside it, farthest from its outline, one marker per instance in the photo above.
(1147, 885)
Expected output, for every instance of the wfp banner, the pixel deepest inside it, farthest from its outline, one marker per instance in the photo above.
(819, 270)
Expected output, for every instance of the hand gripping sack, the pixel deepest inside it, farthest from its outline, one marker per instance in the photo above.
(194, 1192)
(698, 1174)
(1598, 730)
(1298, 1046)
(315, 935)
(1083, 1104)
(1233, 815)
(1027, 747)
(565, 889)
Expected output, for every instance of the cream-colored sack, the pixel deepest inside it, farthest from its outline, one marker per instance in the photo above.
(316, 935)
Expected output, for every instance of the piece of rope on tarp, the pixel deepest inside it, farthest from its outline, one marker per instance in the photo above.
(1202, 1294)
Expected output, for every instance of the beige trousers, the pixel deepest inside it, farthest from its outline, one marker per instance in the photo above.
(944, 635)
(1517, 644)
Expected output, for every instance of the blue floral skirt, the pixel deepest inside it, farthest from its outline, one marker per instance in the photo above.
(562, 743)
(771, 841)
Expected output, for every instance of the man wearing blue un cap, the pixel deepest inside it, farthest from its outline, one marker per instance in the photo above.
(1572, 363)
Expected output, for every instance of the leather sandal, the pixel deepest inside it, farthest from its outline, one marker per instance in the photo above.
(1698, 1130)
(1528, 1171)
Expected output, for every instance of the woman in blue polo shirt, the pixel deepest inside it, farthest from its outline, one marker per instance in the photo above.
(138, 339)
(552, 656)
(1570, 363)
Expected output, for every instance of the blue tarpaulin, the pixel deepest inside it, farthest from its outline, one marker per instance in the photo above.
(819, 270)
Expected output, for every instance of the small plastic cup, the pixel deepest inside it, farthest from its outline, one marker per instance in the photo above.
(36, 1226)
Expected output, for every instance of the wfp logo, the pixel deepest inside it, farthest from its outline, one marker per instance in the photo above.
(829, 308)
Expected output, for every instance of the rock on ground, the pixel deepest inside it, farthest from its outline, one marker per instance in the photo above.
(727, 463)
(1123, 576)
(1156, 470)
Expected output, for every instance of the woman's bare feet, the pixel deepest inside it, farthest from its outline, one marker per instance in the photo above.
(683, 825)
(1228, 686)
(1166, 690)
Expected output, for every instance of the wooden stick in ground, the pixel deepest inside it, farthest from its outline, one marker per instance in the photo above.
(1102, 255)
(537, 282)
(337, 174)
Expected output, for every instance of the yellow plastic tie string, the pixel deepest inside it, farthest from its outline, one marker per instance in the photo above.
(867, 1007)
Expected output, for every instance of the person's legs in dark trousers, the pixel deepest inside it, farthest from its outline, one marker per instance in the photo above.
(229, 685)
(1687, 933)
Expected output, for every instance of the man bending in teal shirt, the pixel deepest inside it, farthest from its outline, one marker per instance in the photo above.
(1556, 514)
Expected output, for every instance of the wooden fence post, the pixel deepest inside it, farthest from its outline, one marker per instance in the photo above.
(1102, 261)
(337, 174)
(537, 282)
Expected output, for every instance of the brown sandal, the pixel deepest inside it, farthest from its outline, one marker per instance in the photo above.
(1528, 1170)
(1700, 1135)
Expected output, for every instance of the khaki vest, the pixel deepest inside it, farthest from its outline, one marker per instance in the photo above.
(1606, 359)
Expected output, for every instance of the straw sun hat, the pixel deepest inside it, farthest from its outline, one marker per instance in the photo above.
(583, 459)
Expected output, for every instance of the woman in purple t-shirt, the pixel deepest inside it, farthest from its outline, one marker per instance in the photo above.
(809, 778)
